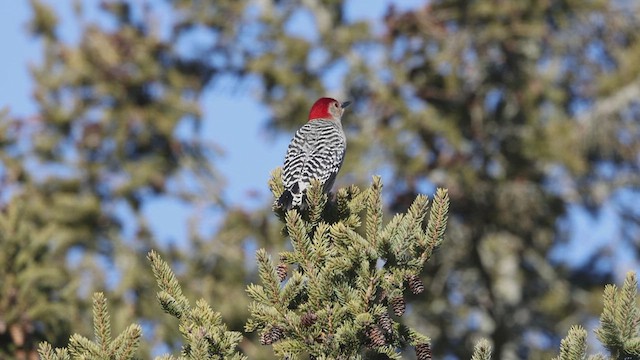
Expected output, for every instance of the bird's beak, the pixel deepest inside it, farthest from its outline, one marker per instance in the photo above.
(345, 104)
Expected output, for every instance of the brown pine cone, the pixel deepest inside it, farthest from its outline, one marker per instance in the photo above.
(281, 269)
(277, 333)
(415, 284)
(423, 351)
(265, 338)
(272, 335)
(385, 323)
(398, 305)
(376, 336)
(308, 319)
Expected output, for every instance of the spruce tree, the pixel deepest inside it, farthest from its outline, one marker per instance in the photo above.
(346, 275)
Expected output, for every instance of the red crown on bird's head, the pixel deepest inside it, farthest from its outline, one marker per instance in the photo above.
(321, 109)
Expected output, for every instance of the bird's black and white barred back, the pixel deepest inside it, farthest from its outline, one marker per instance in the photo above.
(316, 152)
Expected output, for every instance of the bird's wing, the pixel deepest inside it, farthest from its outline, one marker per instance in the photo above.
(316, 152)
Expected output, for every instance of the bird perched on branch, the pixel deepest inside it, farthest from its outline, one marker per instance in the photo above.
(315, 152)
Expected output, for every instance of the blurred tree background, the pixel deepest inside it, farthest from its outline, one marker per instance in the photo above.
(525, 110)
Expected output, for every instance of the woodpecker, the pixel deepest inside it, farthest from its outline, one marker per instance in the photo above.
(315, 152)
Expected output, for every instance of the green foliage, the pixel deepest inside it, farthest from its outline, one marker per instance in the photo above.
(109, 133)
(574, 346)
(337, 300)
(619, 329)
(48, 353)
(131, 91)
(205, 336)
(33, 290)
(123, 347)
(170, 295)
(482, 350)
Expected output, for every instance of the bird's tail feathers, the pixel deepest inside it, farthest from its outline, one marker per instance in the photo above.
(304, 203)
(288, 200)
(285, 200)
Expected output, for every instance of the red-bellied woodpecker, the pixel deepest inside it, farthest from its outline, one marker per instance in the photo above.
(315, 152)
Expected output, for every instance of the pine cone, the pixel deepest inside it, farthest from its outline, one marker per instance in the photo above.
(272, 335)
(398, 305)
(277, 333)
(415, 284)
(308, 319)
(281, 269)
(265, 338)
(423, 351)
(385, 323)
(376, 336)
